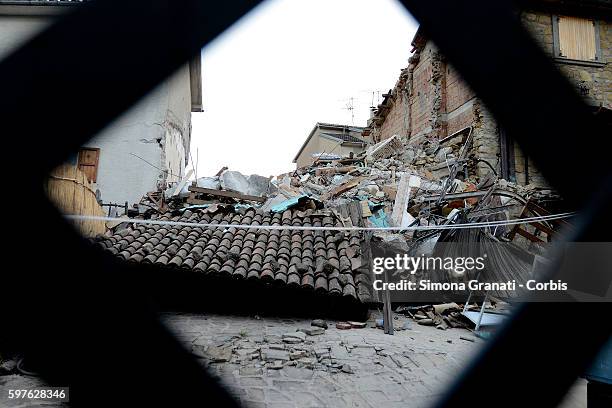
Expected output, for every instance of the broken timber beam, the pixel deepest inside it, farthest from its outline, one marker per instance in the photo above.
(334, 170)
(225, 193)
(182, 183)
(342, 188)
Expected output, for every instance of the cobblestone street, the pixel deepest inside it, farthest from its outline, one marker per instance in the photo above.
(340, 368)
(266, 362)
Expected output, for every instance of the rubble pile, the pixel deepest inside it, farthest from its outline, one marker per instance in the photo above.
(306, 348)
(448, 315)
(298, 349)
(391, 184)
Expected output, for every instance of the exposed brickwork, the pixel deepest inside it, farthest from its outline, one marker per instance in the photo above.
(393, 113)
(440, 103)
(461, 120)
(397, 121)
(421, 98)
(457, 91)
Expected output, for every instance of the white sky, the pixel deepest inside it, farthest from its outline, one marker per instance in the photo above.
(287, 65)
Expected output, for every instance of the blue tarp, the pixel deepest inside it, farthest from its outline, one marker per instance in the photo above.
(379, 218)
(280, 207)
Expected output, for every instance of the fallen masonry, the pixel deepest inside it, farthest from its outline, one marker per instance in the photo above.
(289, 244)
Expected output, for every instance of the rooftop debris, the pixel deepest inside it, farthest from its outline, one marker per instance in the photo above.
(393, 183)
(384, 149)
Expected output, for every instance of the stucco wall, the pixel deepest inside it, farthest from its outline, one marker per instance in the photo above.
(144, 148)
(157, 129)
(321, 144)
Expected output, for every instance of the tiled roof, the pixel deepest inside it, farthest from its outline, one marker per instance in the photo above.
(346, 137)
(313, 260)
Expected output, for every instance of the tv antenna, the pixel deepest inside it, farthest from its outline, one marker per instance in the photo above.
(374, 95)
(350, 106)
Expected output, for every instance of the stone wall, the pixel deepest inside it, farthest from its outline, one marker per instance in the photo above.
(594, 83)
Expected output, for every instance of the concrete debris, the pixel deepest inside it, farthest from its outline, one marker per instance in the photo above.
(8, 367)
(295, 337)
(313, 331)
(207, 182)
(254, 184)
(426, 322)
(319, 323)
(449, 315)
(384, 149)
(347, 369)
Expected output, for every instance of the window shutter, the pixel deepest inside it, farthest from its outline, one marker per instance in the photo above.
(88, 162)
(577, 38)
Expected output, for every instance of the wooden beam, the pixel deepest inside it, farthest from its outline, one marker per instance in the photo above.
(182, 183)
(196, 201)
(221, 171)
(224, 193)
(334, 170)
(342, 188)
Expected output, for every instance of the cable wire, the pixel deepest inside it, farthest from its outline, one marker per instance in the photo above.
(323, 228)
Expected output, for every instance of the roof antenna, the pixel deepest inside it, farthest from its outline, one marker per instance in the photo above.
(350, 106)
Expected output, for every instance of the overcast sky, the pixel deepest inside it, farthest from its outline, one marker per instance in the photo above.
(288, 65)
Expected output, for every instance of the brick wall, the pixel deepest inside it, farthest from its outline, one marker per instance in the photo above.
(396, 122)
(459, 102)
(422, 95)
(440, 103)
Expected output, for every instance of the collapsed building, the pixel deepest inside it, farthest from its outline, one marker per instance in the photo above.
(430, 105)
(301, 242)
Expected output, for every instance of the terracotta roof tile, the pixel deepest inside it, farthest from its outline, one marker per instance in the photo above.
(311, 260)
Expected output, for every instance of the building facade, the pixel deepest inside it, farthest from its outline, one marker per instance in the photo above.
(330, 140)
(147, 147)
(431, 107)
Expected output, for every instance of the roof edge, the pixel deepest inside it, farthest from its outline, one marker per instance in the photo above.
(324, 125)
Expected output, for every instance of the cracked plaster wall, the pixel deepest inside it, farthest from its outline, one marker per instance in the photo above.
(157, 129)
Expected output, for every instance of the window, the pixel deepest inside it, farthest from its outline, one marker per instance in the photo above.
(88, 162)
(576, 40)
